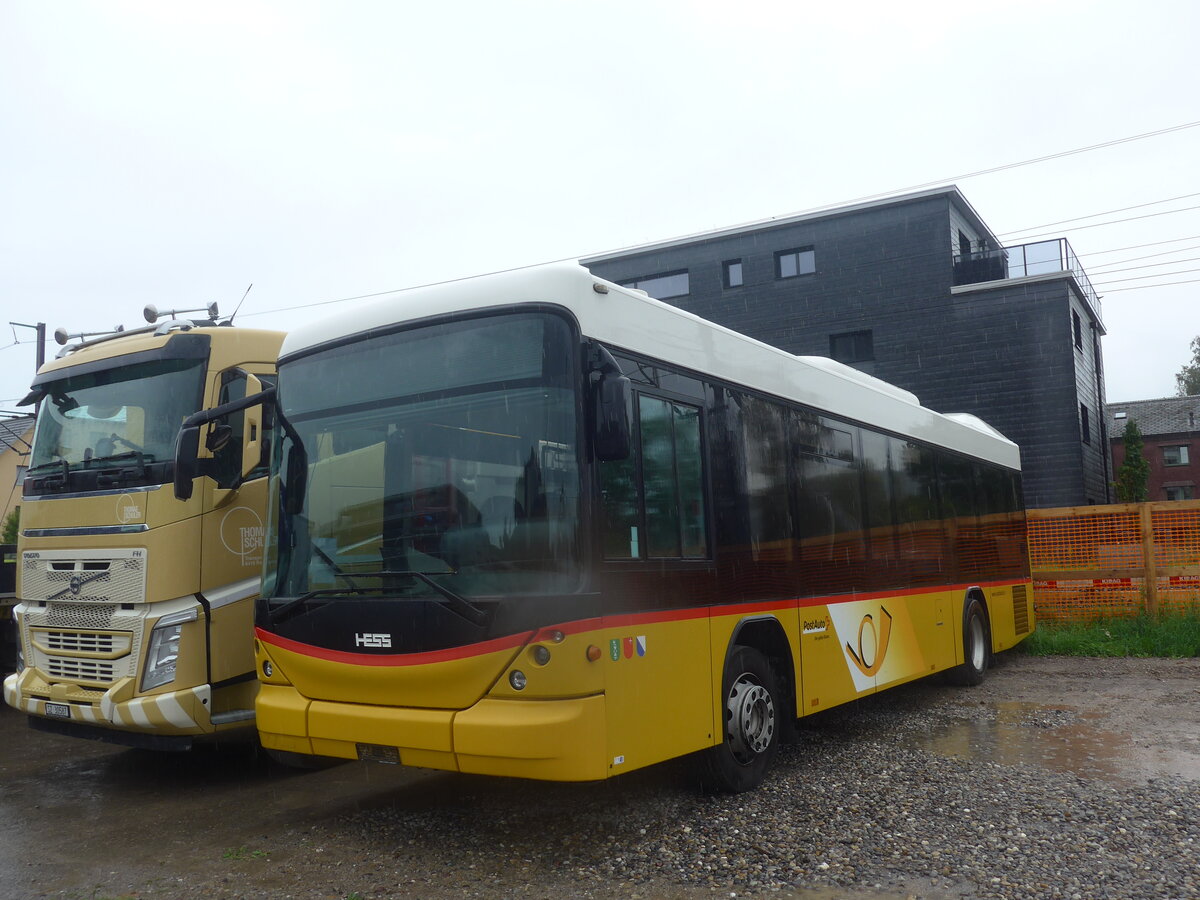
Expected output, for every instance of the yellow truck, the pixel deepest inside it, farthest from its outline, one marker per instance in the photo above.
(134, 608)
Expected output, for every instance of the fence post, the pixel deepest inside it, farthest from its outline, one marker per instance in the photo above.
(1149, 564)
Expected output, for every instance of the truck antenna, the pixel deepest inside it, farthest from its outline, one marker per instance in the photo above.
(240, 302)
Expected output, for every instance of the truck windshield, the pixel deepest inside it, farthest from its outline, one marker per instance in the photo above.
(126, 410)
(448, 450)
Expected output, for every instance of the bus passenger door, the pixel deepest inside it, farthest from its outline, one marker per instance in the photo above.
(657, 581)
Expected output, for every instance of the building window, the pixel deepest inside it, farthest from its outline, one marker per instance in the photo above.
(731, 273)
(1179, 492)
(1084, 426)
(852, 347)
(660, 287)
(792, 263)
(1077, 327)
(1175, 456)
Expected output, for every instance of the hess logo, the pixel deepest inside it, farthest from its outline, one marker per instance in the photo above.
(367, 639)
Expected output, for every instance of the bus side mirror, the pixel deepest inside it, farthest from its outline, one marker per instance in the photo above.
(614, 396)
(296, 472)
(187, 449)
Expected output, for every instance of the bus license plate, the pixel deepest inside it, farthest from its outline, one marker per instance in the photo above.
(58, 710)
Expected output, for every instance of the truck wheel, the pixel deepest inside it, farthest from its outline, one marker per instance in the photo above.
(751, 707)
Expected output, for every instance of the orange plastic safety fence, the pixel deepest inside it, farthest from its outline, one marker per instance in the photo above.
(1091, 562)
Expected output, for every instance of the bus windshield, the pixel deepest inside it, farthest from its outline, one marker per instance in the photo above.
(123, 411)
(448, 450)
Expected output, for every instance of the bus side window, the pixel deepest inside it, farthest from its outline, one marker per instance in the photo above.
(956, 489)
(828, 506)
(670, 491)
(672, 475)
(919, 536)
(764, 448)
(877, 497)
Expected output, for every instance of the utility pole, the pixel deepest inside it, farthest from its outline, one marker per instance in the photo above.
(40, 328)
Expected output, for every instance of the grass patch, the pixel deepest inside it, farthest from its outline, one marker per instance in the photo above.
(1172, 635)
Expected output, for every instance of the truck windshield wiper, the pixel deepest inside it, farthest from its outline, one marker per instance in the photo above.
(64, 474)
(139, 456)
(454, 602)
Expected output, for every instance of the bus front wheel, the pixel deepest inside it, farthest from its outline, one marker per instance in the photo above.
(751, 714)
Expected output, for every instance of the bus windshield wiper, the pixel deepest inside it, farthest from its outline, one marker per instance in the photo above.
(455, 602)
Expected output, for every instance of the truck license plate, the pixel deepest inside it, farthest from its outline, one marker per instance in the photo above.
(58, 710)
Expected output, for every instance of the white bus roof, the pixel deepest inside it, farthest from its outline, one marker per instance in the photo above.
(623, 319)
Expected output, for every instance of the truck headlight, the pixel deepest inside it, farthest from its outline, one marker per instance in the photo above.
(161, 656)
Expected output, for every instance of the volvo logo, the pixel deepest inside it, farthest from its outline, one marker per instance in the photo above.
(76, 584)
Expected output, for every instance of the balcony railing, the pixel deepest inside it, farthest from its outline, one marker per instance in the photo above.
(1040, 258)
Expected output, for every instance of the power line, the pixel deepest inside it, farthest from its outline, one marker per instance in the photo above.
(1166, 212)
(1192, 237)
(1146, 287)
(1106, 212)
(893, 192)
(1140, 277)
(1015, 165)
(1170, 262)
(1147, 256)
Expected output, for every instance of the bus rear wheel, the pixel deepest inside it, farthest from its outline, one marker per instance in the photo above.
(976, 646)
(751, 714)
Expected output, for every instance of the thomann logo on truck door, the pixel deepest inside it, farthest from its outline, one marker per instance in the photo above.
(242, 535)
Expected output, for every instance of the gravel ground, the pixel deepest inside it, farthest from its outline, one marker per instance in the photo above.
(1056, 779)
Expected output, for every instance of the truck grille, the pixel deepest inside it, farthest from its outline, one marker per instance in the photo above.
(100, 576)
(86, 643)
(87, 670)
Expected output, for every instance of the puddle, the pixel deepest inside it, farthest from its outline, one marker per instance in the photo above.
(1058, 740)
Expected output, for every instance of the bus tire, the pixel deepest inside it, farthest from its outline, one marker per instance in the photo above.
(976, 646)
(751, 706)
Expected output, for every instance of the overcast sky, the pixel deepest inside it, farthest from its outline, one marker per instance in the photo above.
(174, 153)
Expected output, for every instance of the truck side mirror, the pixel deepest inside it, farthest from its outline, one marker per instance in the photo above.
(187, 465)
(613, 402)
(187, 446)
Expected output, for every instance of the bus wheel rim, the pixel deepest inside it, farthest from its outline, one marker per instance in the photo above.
(751, 719)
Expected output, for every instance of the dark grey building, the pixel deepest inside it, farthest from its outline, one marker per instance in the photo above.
(918, 291)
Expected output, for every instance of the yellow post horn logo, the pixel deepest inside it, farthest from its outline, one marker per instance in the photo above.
(881, 643)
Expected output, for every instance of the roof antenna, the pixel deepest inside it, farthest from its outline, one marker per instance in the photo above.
(240, 302)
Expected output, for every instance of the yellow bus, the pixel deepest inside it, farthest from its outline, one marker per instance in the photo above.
(135, 608)
(535, 524)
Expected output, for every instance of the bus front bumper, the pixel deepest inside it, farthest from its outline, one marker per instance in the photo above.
(551, 740)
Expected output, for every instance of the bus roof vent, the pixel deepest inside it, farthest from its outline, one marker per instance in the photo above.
(975, 422)
(849, 373)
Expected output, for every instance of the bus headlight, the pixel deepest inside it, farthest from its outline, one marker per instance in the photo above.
(162, 656)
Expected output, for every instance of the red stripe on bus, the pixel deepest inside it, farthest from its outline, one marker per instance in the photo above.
(587, 626)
